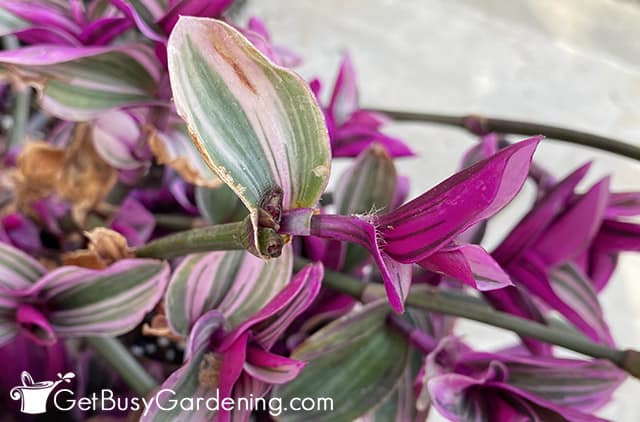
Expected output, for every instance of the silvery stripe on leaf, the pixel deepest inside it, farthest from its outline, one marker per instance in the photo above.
(18, 271)
(354, 360)
(185, 381)
(79, 83)
(112, 301)
(257, 125)
(574, 288)
(235, 283)
(466, 385)
(273, 318)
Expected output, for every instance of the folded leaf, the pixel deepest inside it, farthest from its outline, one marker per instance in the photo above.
(80, 83)
(421, 226)
(623, 204)
(528, 230)
(272, 320)
(577, 291)
(116, 137)
(396, 276)
(257, 125)
(185, 381)
(470, 264)
(574, 230)
(617, 236)
(354, 360)
(82, 302)
(235, 283)
(270, 368)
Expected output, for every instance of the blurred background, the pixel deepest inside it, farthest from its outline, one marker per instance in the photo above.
(574, 63)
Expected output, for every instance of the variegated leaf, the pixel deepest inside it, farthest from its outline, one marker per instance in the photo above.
(354, 360)
(575, 289)
(18, 271)
(235, 283)
(367, 187)
(257, 125)
(220, 205)
(82, 302)
(79, 83)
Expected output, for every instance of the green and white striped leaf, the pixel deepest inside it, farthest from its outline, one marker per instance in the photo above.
(83, 302)
(575, 289)
(580, 384)
(367, 187)
(355, 361)
(18, 270)
(79, 83)
(235, 283)
(8, 326)
(220, 205)
(257, 125)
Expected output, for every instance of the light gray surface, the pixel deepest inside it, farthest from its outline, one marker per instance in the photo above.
(574, 63)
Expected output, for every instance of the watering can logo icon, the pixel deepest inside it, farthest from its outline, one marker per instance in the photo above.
(34, 395)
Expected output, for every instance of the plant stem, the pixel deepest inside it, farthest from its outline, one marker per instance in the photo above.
(22, 102)
(481, 125)
(112, 350)
(177, 221)
(464, 306)
(221, 237)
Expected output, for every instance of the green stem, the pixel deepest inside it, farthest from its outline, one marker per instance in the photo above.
(111, 350)
(176, 221)
(221, 237)
(464, 306)
(481, 125)
(22, 102)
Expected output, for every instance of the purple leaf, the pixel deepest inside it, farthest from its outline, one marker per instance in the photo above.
(470, 264)
(422, 226)
(539, 218)
(134, 222)
(355, 230)
(271, 321)
(270, 368)
(574, 230)
(344, 99)
(112, 301)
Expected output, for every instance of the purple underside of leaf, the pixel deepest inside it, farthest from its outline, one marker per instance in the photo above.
(130, 11)
(470, 264)
(574, 230)
(517, 302)
(584, 385)
(422, 226)
(34, 325)
(344, 99)
(282, 309)
(230, 370)
(538, 219)
(202, 8)
(396, 277)
(271, 368)
(134, 222)
(530, 272)
(39, 13)
(623, 204)
(617, 236)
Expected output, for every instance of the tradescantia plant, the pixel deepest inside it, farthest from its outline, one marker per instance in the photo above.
(166, 233)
